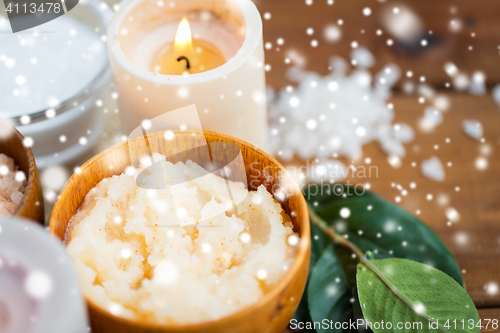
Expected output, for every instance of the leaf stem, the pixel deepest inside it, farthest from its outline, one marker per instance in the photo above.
(343, 241)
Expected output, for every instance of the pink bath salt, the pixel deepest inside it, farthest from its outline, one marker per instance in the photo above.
(9, 175)
(6, 160)
(18, 184)
(9, 192)
(8, 182)
(11, 188)
(16, 197)
(10, 206)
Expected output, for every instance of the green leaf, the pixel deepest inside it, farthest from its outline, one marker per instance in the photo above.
(329, 296)
(319, 242)
(388, 231)
(302, 312)
(328, 207)
(429, 291)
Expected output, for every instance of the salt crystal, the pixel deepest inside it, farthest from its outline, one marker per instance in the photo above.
(450, 69)
(10, 206)
(432, 118)
(362, 77)
(426, 91)
(433, 169)
(461, 81)
(363, 57)
(9, 191)
(441, 102)
(394, 161)
(391, 73)
(403, 132)
(393, 147)
(11, 188)
(473, 128)
(403, 23)
(8, 182)
(327, 170)
(386, 79)
(7, 161)
(339, 65)
(16, 197)
(332, 32)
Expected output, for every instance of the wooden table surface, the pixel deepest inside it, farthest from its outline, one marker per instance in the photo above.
(480, 28)
(475, 238)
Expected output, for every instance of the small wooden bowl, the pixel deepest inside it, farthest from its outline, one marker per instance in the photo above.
(273, 312)
(12, 145)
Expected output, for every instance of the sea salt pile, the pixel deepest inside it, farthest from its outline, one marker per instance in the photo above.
(337, 114)
(475, 83)
(12, 185)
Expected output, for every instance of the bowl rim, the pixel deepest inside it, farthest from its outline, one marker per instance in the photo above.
(30, 177)
(302, 253)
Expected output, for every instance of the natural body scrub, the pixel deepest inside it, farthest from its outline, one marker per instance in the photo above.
(12, 185)
(179, 256)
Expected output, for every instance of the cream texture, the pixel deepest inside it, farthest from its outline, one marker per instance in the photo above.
(179, 255)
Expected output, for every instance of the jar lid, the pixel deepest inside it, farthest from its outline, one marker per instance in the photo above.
(51, 69)
(37, 281)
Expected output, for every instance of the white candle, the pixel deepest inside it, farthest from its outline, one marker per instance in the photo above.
(38, 286)
(229, 99)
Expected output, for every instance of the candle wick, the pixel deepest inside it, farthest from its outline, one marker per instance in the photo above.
(188, 66)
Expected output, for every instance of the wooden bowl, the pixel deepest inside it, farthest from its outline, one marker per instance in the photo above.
(273, 312)
(11, 145)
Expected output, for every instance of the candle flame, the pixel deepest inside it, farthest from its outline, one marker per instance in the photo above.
(183, 37)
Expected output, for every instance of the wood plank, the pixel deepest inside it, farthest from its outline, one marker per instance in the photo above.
(493, 313)
(290, 19)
